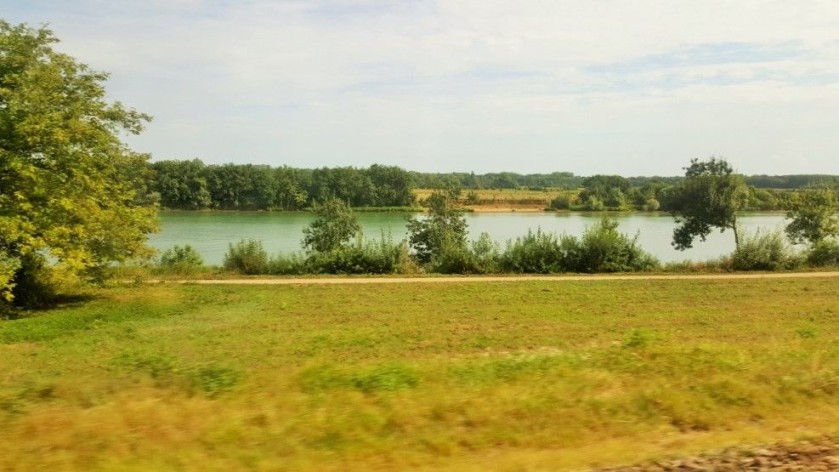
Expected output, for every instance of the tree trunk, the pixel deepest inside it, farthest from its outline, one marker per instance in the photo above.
(736, 234)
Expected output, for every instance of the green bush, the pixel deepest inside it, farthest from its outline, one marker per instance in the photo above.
(561, 202)
(534, 253)
(376, 257)
(33, 284)
(603, 249)
(182, 260)
(651, 204)
(484, 254)
(292, 264)
(480, 257)
(246, 257)
(593, 203)
(823, 253)
(764, 251)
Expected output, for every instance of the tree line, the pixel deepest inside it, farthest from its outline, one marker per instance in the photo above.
(193, 185)
(616, 193)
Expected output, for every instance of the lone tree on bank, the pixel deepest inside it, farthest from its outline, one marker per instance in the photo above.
(813, 215)
(709, 197)
(71, 193)
(335, 226)
(444, 228)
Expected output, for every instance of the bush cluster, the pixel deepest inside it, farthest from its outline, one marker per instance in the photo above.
(181, 260)
(600, 249)
(765, 251)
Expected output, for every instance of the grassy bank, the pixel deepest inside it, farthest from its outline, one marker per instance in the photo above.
(500, 375)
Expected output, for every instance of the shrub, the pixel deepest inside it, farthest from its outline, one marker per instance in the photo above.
(33, 286)
(292, 264)
(534, 253)
(246, 257)
(334, 227)
(484, 255)
(405, 264)
(763, 251)
(603, 249)
(444, 228)
(377, 257)
(181, 259)
(593, 203)
(561, 202)
(651, 205)
(480, 257)
(824, 253)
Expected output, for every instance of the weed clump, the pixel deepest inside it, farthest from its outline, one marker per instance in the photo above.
(764, 251)
(246, 257)
(181, 260)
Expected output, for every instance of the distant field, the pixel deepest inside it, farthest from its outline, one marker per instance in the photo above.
(454, 376)
(503, 198)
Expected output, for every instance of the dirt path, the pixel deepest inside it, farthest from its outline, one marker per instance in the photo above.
(502, 278)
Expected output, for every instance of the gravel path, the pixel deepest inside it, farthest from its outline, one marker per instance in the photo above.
(818, 455)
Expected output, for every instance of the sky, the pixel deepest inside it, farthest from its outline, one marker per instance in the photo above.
(629, 87)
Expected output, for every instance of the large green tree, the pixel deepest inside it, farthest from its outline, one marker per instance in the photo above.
(71, 193)
(334, 227)
(444, 228)
(813, 215)
(709, 197)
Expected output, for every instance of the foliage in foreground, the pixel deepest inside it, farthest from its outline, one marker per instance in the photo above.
(453, 375)
(71, 192)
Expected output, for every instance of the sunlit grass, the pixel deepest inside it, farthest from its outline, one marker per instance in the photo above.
(501, 375)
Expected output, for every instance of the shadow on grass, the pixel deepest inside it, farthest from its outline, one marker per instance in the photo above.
(53, 302)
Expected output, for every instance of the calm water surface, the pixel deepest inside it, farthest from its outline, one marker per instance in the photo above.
(211, 232)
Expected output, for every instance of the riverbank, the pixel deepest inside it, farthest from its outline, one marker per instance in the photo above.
(210, 233)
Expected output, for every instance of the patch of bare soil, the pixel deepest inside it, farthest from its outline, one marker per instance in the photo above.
(818, 455)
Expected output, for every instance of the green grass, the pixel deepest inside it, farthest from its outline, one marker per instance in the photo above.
(463, 376)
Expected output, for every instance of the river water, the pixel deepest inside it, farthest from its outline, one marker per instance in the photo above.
(210, 233)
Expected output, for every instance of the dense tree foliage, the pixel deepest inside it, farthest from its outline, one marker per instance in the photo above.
(813, 215)
(334, 227)
(71, 193)
(709, 197)
(501, 180)
(191, 185)
(443, 229)
(605, 191)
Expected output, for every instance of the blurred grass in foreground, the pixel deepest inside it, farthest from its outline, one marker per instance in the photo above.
(465, 376)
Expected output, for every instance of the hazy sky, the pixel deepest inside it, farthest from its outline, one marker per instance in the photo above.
(633, 87)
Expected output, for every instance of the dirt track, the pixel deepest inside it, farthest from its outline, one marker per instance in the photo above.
(505, 278)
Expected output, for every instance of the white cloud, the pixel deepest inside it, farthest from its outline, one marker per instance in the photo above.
(589, 86)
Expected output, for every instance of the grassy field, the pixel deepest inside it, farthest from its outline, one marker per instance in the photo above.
(485, 376)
